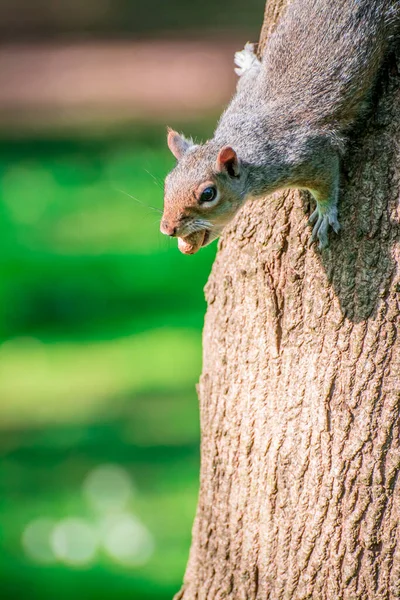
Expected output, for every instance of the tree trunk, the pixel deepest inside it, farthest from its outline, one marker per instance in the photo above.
(300, 391)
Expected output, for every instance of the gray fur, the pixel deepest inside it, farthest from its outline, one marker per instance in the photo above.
(289, 119)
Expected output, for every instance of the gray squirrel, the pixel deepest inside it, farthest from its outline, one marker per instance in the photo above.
(288, 123)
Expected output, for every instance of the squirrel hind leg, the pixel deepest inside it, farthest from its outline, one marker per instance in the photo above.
(322, 218)
(246, 59)
(325, 192)
(326, 213)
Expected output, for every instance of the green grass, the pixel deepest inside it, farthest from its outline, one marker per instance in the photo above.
(100, 322)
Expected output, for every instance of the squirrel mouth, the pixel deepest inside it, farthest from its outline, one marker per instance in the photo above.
(190, 244)
(206, 238)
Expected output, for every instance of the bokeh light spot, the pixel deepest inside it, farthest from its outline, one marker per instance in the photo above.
(36, 540)
(108, 488)
(126, 540)
(74, 541)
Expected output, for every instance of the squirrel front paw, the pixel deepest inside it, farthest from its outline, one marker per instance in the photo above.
(322, 218)
(246, 59)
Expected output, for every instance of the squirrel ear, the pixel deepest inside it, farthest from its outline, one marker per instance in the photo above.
(227, 160)
(178, 144)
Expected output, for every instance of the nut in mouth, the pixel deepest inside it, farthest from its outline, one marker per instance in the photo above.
(192, 243)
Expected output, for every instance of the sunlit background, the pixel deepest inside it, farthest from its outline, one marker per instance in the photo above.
(100, 315)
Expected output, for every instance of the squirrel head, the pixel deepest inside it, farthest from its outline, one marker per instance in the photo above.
(202, 193)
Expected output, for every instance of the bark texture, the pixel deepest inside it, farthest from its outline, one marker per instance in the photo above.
(300, 391)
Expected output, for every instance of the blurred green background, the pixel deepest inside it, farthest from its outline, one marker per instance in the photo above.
(100, 315)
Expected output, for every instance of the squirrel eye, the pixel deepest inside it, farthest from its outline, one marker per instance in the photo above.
(208, 194)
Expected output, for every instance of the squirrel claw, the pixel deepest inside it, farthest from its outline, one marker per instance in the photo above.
(313, 217)
(246, 59)
(321, 223)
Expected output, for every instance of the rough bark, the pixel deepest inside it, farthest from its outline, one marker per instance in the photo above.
(300, 391)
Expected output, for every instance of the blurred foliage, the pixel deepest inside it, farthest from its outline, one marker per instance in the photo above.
(100, 320)
(49, 18)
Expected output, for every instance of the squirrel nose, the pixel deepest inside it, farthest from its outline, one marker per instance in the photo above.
(166, 229)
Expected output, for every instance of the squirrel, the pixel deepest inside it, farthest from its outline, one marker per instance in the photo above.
(287, 124)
